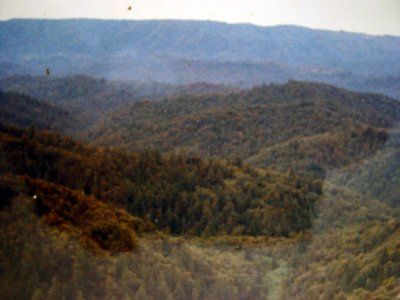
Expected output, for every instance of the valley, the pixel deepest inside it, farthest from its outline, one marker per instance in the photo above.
(223, 162)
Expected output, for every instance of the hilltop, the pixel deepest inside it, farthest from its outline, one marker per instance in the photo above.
(87, 99)
(184, 195)
(296, 125)
(180, 160)
(207, 226)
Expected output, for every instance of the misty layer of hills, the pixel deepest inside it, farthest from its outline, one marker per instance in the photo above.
(182, 52)
(134, 165)
(88, 99)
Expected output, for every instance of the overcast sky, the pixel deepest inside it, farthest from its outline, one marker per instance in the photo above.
(368, 16)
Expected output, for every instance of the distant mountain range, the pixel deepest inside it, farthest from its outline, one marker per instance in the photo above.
(131, 154)
(182, 52)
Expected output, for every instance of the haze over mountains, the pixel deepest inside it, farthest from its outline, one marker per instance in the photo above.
(191, 51)
(141, 165)
(88, 99)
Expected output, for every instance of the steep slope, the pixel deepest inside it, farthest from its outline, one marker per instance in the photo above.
(353, 251)
(97, 226)
(52, 215)
(356, 262)
(322, 152)
(184, 195)
(294, 117)
(377, 177)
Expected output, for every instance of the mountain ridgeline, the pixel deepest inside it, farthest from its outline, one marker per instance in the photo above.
(182, 52)
(300, 126)
(185, 195)
(276, 192)
(307, 128)
(87, 99)
(197, 160)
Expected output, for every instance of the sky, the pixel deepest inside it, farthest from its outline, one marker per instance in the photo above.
(367, 16)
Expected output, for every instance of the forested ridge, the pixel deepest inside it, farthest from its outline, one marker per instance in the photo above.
(20, 110)
(174, 192)
(278, 192)
(196, 160)
(303, 126)
(87, 98)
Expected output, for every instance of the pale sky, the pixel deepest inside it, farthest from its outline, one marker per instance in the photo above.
(367, 16)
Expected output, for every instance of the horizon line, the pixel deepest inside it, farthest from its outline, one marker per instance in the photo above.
(196, 20)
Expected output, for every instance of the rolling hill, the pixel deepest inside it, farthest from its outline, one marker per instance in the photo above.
(185, 195)
(181, 185)
(88, 99)
(299, 125)
(24, 111)
(211, 228)
(66, 203)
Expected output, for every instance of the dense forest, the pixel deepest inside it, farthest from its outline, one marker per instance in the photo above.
(194, 160)
(83, 224)
(303, 126)
(185, 195)
(20, 110)
(277, 192)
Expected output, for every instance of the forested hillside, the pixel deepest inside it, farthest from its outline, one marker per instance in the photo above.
(378, 177)
(210, 229)
(183, 195)
(196, 160)
(88, 98)
(244, 233)
(304, 126)
(24, 111)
